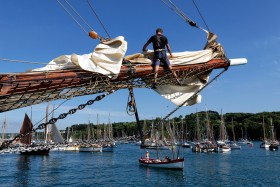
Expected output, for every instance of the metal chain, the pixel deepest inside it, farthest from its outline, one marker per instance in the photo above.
(5, 144)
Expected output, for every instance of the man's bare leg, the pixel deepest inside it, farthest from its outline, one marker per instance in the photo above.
(175, 75)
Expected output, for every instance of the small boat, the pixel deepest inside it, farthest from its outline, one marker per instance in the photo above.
(234, 145)
(273, 143)
(86, 148)
(265, 144)
(72, 147)
(186, 145)
(222, 148)
(30, 149)
(273, 146)
(197, 147)
(108, 147)
(165, 163)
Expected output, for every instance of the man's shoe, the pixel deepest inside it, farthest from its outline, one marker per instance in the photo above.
(154, 86)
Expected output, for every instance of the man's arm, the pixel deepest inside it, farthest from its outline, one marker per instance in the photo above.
(145, 46)
(169, 50)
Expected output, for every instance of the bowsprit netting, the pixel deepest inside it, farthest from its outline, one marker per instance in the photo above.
(19, 90)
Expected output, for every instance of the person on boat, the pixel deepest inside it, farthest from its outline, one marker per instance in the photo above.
(147, 155)
(159, 43)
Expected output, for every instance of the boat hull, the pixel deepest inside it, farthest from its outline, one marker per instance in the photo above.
(86, 149)
(35, 151)
(170, 164)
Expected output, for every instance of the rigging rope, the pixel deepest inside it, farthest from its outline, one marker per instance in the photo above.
(175, 9)
(168, 115)
(22, 61)
(78, 14)
(98, 19)
(72, 16)
(200, 15)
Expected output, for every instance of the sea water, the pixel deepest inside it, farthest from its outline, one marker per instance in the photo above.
(250, 166)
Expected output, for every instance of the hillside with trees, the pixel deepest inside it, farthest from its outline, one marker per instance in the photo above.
(248, 125)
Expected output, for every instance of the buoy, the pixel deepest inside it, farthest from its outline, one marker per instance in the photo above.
(93, 35)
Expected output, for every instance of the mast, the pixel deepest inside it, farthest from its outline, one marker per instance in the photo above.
(88, 131)
(222, 128)
(4, 127)
(198, 136)
(272, 130)
(233, 131)
(209, 133)
(46, 127)
(264, 137)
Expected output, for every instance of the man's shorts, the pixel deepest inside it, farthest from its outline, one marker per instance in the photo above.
(160, 56)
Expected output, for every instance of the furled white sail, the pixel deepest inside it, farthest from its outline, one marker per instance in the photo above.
(106, 58)
(56, 136)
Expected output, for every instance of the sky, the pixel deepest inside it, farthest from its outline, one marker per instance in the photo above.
(39, 31)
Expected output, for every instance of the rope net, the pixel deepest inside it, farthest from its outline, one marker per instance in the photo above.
(18, 90)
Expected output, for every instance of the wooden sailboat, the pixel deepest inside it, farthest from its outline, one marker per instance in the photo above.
(186, 143)
(273, 143)
(265, 143)
(197, 147)
(109, 144)
(167, 163)
(233, 144)
(222, 145)
(29, 148)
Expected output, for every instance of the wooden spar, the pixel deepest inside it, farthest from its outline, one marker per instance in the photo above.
(144, 70)
(19, 90)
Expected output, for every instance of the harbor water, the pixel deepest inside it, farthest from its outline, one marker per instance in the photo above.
(250, 166)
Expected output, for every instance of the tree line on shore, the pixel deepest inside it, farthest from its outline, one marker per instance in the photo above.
(246, 125)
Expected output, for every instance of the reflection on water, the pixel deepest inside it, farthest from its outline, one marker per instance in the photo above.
(22, 173)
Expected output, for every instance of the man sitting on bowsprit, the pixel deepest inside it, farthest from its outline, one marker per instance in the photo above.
(159, 43)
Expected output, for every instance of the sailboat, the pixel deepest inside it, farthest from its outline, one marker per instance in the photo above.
(222, 145)
(186, 143)
(273, 143)
(26, 140)
(233, 144)
(197, 147)
(265, 143)
(176, 162)
(109, 144)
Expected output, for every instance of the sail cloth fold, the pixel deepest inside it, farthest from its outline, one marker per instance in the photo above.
(180, 94)
(56, 136)
(180, 58)
(26, 127)
(106, 59)
(108, 56)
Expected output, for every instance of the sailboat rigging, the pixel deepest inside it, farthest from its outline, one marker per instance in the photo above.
(26, 139)
(74, 75)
